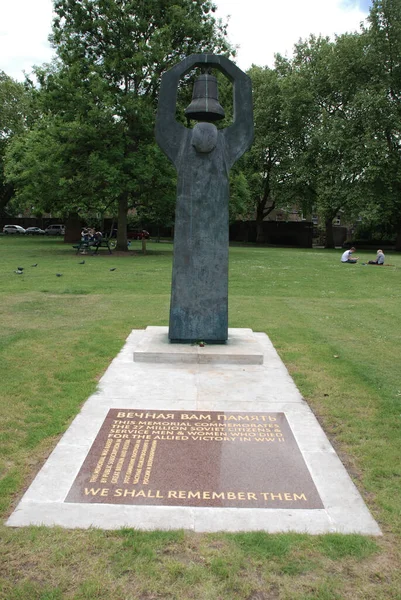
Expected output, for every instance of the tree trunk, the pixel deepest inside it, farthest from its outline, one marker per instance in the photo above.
(122, 240)
(262, 211)
(329, 234)
(398, 238)
(5, 196)
(260, 234)
(73, 228)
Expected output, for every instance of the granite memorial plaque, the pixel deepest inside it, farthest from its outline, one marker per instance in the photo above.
(195, 458)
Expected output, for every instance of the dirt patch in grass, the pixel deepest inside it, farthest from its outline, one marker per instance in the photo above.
(272, 593)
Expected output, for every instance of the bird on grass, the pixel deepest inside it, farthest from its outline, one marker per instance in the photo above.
(58, 274)
(18, 271)
(35, 265)
(113, 269)
(20, 268)
(82, 262)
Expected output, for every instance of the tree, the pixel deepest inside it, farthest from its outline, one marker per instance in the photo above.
(327, 150)
(305, 148)
(66, 165)
(158, 189)
(14, 108)
(113, 53)
(266, 164)
(241, 204)
(354, 144)
(380, 106)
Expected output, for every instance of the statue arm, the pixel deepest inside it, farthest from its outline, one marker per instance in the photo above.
(239, 136)
(169, 132)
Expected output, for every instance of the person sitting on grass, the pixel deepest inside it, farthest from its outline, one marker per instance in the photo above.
(346, 257)
(379, 259)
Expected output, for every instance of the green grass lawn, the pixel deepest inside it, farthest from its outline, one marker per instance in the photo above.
(337, 328)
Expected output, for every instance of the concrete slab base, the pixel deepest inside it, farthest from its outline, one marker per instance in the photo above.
(241, 348)
(200, 386)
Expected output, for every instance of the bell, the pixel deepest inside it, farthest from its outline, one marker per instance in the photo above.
(205, 100)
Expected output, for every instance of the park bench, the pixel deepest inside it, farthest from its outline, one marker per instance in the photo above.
(93, 246)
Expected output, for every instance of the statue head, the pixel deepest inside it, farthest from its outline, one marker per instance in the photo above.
(204, 137)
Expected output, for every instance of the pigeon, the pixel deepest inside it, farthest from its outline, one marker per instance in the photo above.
(82, 262)
(35, 265)
(18, 272)
(58, 274)
(113, 269)
(20, 268)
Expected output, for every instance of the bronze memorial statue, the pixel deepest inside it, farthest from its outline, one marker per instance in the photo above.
(203, 157)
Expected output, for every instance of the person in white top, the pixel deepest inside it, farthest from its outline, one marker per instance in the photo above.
(346, 257)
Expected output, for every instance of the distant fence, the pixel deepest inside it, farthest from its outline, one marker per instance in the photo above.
(281, 233)
(340, 235)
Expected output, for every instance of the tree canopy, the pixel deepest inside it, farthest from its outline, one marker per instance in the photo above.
(327, 120)
(14, 113)
(95, 138)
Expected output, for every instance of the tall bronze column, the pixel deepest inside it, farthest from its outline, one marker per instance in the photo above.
(203, 157)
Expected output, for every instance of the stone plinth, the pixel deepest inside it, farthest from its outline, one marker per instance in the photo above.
(241, 348)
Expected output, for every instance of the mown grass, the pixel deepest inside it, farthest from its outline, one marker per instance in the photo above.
(337, 327)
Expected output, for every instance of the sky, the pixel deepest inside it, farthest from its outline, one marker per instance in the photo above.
(261, 28)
